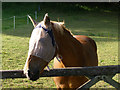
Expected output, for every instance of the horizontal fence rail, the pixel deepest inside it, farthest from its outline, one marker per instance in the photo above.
(71, 71)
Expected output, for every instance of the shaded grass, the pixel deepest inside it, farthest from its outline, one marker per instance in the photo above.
(103, 28)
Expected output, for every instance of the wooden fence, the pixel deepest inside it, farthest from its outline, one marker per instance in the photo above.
(95, 74)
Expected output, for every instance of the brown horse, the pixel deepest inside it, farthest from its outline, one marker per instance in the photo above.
(50, 40)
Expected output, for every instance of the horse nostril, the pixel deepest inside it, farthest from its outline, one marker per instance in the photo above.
(30, 74)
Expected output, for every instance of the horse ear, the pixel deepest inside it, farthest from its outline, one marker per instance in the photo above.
(33, 21)
(46, 20)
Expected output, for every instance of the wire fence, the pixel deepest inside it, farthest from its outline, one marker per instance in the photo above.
(16, 20)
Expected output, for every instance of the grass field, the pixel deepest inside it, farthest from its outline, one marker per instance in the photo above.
(100, 26)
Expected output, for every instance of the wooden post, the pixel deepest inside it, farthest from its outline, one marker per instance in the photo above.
(89, 83)
(35, 14)
(27, 19)
(14, 22)
(111, 81)
(39, 8)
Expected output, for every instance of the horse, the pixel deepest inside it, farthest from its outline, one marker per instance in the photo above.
(52, 40)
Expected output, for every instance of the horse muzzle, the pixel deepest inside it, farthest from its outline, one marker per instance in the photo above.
(34, 67)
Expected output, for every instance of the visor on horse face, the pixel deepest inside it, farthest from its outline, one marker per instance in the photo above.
(42, 43)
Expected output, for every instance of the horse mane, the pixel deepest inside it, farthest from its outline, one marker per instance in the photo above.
(59, 26)
(66, 30)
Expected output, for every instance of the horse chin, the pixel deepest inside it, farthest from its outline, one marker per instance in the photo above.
(34, 79)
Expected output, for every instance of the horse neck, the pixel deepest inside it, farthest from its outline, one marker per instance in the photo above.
(65, 42)
(63, 39)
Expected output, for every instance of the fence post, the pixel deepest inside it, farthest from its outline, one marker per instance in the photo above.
(27, 20)
(14, 22)
(35, 14)
(39, 8)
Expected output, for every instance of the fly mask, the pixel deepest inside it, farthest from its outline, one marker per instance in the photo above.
(42, 48)
(42, 43)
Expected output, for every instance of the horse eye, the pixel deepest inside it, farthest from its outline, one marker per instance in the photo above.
(41, 40)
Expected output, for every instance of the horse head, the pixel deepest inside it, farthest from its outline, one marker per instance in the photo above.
(42, 48)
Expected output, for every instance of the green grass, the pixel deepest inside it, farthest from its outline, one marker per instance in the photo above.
(101, 26)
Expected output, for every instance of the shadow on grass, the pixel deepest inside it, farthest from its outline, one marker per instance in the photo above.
(97, 36)
(87, 23)
(23, 31)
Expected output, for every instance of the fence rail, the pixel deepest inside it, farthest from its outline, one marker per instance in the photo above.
(95, 74)
(79, 71)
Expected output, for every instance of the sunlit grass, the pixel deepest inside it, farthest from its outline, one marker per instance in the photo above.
(103, 28)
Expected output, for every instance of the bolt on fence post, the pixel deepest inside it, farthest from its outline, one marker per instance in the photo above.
(35, 14)
(27, 20)
(14, 22)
